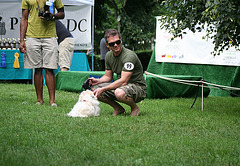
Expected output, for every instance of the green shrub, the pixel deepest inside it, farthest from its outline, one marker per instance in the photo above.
(144, 56)
(97, 62)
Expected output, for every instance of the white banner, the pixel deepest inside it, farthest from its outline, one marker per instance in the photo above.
(191, 49)
(77, 20)
(65, 2)
(10, 15)
(78, 2)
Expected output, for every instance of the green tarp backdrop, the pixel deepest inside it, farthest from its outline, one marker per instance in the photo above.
(157, 88)
(160, 88)
(221, 75)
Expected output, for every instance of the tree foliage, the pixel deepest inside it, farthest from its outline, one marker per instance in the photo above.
(135, 20)
(222, 18)
(138, 22)
(104, 18)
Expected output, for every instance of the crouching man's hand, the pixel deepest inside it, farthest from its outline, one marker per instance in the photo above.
(97, 92)
(93, 81)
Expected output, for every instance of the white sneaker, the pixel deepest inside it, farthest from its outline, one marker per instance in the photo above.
(54, 105)
(38, 103)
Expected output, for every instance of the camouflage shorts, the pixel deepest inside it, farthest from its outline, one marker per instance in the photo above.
(134, 91)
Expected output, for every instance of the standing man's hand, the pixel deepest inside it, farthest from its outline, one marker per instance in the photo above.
(23, 30)
(22, 47)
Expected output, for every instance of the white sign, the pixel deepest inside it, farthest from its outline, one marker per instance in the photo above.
(77, 20)
(191, 49)
(78, 2)
(10, 15)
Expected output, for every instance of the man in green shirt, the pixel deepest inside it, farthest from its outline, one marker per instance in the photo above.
(41, 47)
(130, 86)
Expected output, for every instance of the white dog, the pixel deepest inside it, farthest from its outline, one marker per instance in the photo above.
(87, 105)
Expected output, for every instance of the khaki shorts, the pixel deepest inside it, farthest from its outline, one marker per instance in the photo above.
(66, 48)
(134, 91)
(41, 53)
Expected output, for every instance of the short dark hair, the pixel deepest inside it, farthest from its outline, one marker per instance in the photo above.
(111, 32)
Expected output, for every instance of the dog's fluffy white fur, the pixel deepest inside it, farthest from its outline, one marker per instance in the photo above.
(87, 105)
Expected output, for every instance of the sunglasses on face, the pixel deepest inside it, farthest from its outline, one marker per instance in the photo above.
(113, 43)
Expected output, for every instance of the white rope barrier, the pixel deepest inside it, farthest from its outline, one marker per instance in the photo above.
(222, 86)
(173, 79)
(188, 82)
(193, 83)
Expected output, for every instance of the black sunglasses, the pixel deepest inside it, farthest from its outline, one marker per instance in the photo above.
(113, 43)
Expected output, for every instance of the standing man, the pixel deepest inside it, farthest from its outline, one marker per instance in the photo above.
(130, 86)
(103, 52)
(41, 47)
(66, 46)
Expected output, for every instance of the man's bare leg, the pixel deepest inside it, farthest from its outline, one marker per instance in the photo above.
(121, 96)
(118, 109)
(38, 82)
(50, 82)
(64, 69)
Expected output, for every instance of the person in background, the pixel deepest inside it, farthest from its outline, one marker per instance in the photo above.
(130, 86)
(103, 51)
(41, 47)
(66, 46)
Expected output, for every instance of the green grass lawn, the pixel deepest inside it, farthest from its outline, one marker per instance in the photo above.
(167, 132)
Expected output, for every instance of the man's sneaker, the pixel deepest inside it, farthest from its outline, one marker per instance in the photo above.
(39, 103)
(54, 105)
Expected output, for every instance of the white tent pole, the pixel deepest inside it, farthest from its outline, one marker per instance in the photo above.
(202, 95)
(92, 38)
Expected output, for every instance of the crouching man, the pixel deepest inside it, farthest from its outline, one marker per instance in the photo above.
(130, 86)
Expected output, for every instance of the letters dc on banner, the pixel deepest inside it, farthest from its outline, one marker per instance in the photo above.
(191, 49)
(77, 20)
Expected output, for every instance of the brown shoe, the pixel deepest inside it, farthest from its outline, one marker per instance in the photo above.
(116, 112)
